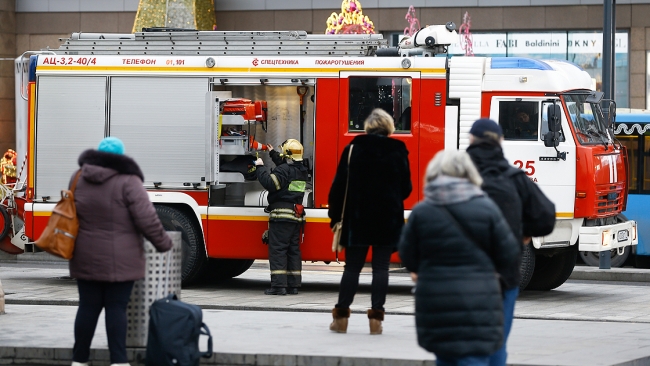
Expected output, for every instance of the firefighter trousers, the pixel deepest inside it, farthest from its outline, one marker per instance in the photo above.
(284, 254)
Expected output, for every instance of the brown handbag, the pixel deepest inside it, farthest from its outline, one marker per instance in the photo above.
(338, 227)
(60, 234)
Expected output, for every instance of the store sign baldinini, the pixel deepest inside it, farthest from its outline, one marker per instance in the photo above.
(500, 44)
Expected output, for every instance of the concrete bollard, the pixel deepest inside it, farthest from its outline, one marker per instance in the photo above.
(2, 300)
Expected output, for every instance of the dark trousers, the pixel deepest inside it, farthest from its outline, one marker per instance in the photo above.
(94, 296)
(355, 258)
(284, 254)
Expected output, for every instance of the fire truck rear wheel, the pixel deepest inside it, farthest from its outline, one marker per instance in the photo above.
(225, 269)
(192, 249)
(5, 223)
(552, 272)
(527, 265)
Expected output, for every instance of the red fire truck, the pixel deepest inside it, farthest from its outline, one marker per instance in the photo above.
(170, 96)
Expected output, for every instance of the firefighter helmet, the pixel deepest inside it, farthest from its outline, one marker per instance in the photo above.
(292, 149)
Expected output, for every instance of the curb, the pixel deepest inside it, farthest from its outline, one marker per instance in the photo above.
(101, 357)
(614, 274)
(328, 310)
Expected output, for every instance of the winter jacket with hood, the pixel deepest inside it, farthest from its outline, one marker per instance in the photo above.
(380, 181)
(458, 303)
(114, 214)
(537, 213)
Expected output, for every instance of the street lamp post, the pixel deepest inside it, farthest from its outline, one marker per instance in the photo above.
(608, 84)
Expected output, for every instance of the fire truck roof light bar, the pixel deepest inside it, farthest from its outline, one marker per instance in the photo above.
(519, 63)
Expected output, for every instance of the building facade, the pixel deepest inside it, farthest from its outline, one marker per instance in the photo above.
(564, 29)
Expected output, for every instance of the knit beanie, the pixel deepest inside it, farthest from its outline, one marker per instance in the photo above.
(111, 145)
(483, 125)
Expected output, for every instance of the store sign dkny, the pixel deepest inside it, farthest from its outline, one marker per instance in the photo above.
(502, 44)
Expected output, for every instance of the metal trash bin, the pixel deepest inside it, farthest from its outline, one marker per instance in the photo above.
(156, 284)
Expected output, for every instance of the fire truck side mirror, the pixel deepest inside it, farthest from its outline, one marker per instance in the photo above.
(554, 121)
(550, 139)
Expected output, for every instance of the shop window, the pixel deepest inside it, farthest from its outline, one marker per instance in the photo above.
(392, 94)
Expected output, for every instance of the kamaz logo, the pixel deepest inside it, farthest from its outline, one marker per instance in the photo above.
(255, 62)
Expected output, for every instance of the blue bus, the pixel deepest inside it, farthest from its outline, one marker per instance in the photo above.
(632, 129)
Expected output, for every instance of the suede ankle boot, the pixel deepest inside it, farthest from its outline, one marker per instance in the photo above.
(375, 317)
(340, 322)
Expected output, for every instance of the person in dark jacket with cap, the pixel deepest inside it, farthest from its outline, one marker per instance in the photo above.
(454, 243)
(378, 180)
(286, 186)
(527, 210)
(114, 213)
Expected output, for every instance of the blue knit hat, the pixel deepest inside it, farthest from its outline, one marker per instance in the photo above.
(111, 145)
(483, 125)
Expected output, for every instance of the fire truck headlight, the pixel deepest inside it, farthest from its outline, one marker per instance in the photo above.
(607, 238)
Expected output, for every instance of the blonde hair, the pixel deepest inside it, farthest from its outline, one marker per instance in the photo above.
(379, 123)
(454, 163)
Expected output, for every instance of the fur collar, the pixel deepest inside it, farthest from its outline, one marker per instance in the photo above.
(120, 163)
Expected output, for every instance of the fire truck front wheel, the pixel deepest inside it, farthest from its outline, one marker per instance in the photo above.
(617, 260)
(552, 271)
(193, 250)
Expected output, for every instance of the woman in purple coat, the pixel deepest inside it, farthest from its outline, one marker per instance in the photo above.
(114, 214)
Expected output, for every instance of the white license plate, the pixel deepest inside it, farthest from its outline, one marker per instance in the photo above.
(622, 235)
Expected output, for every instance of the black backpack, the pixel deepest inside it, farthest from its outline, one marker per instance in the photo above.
(174, 330)
(524, 206)
(499, 186)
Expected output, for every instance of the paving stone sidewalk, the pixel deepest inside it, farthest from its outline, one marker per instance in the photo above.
(580, 323)
(575, 300)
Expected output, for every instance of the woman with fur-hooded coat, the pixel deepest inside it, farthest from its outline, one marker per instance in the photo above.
(114, 213)
(379, 182)
(454, 243)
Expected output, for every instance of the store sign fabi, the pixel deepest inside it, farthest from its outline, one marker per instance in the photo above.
(502, 44)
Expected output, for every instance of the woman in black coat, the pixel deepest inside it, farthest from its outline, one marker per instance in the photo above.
(379, 182)
(454, 243)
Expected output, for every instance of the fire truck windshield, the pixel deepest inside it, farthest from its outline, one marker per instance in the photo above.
(587, 119)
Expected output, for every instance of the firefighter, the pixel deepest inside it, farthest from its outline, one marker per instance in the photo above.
(286, 186)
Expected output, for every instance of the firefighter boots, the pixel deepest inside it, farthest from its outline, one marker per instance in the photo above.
(340, 322)
(292, 291)
(375, 317)
(275, 291)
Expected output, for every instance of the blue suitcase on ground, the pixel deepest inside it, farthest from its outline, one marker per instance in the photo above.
(174, 331)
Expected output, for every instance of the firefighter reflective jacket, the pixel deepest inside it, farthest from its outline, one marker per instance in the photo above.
(286, 185)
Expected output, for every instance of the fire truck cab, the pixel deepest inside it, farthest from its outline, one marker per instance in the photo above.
(194, 108)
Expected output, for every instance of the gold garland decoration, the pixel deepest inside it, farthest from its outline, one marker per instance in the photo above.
(188, 14)
(350, 20)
